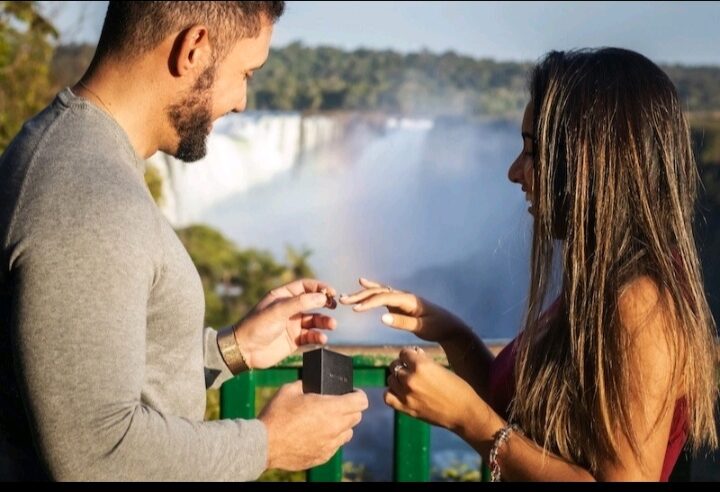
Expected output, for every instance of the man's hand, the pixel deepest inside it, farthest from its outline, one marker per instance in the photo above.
(305, 430)
(279, 324)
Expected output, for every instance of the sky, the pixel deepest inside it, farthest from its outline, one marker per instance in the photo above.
(667, 32)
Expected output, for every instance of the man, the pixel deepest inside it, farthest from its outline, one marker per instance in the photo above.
(101, 308)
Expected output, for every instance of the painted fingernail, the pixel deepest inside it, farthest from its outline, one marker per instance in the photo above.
(387, 318)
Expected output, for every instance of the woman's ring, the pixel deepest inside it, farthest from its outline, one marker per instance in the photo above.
(396, 369)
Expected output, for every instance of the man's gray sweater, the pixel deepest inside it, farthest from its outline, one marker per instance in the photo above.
(104, 360)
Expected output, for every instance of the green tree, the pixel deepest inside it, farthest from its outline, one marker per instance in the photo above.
(154, 182)
(69, 63)
(298, 262)
(706, 145)
(301, 78)
(235, 279)
(457, 472)
(26, 49)
(706, 140)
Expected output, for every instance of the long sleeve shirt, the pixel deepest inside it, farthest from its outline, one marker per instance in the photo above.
(104, 359)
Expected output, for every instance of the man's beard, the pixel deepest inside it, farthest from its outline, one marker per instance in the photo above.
(192, 118)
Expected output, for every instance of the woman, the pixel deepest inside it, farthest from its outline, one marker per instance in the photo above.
(610, 380)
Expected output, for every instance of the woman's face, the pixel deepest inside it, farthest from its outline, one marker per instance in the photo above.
(521, 171)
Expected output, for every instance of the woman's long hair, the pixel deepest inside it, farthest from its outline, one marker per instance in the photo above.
(616, 180)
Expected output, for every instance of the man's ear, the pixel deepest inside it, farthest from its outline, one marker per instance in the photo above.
(191, 51)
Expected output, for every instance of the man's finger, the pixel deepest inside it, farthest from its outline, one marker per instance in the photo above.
(345, 438)
(295, 305)
(316, 320)
(293, 388)
(312, 337)
(355, 401)
(307, 285)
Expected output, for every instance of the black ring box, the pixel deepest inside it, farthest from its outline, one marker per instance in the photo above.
(327, 372)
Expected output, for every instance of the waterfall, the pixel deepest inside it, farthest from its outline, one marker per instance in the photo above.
(422, 205)
(244, 150)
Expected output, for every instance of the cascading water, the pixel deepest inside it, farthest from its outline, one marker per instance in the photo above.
(243, 151)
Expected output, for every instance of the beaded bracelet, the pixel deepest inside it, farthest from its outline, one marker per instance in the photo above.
(500, 438)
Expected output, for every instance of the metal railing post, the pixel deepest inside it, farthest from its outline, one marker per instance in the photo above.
(237, 397)
(412, 449)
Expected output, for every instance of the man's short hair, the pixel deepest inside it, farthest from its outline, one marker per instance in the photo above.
(132, 28)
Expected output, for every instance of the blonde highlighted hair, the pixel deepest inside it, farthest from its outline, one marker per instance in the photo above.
(616, 180)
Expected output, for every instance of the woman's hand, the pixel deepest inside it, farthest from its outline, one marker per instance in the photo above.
(424, 389)
(280, 323)
(406, 311)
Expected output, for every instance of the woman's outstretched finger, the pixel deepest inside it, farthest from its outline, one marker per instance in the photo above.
(403, 302)
(401, 322)
(369, 283)
(361, 295)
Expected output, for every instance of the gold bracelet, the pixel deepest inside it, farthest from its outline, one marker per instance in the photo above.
(230, 351)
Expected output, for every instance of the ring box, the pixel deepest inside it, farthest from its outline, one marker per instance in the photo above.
(327, 372)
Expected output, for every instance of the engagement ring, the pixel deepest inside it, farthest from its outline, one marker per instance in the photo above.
(396, 369)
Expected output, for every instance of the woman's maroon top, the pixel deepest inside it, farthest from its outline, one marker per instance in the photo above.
(502, 390)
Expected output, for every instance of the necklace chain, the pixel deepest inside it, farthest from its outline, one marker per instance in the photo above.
(96, 96)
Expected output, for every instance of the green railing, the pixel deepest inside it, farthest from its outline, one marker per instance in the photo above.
(411, 441)
(411, 437)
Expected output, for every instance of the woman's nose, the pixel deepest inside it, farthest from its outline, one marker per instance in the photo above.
(515, 173)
